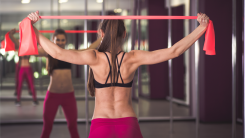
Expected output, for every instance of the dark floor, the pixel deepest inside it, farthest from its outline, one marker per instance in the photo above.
(148, 129)
(9, 113)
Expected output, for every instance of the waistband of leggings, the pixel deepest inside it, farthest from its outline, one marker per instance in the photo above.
(60, 94)
(123, 119)
(25, 67)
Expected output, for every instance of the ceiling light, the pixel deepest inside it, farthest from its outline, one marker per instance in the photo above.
(125, 13)
(99, 1)
(71, 46)
(118, 10)
(65, 21)
(63, 1)
(25, 1)
(44, 22)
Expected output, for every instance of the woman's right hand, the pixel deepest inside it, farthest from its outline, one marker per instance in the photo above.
(12, 31)
(203, 19)
(34, 17)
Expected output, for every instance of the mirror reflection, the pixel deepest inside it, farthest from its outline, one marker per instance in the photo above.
(52, 96)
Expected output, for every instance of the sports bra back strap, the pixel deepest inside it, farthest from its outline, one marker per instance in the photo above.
(119, 53)
(122, 59)
(119, 65)
(108, 58)
(110, 68)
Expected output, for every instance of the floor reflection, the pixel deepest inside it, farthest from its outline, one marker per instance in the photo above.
(9, 112)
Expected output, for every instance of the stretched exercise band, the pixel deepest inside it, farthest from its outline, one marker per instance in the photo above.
(119, 17)
(7, 43)
(30, 42)
(67, 31)
(2, 44)
(10, 46)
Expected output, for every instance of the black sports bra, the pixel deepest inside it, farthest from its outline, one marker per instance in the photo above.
(99, 85)
(63, 65)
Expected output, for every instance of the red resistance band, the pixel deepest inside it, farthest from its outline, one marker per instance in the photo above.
(28, 42)
(209, 44)
(119, 17)
(8, 44)
(67, 31)
(3, 44)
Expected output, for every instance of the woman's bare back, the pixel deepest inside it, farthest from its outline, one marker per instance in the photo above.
(113, 102)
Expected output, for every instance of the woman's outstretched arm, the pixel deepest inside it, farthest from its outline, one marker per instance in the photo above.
(158, 56)
(95, 44)
(11, 36)
(73, 56)
(41, 52)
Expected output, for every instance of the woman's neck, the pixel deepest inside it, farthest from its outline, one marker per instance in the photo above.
(118, 51)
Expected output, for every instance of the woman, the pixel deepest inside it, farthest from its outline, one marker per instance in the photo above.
(60, 90)
(17, 67)
(112, 73)
(23, 71)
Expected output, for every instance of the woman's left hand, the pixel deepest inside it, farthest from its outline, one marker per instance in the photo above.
(34, 17)
(203, 19)
(12, 31)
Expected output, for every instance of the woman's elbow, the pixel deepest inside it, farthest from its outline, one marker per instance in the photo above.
(55, 55)
(175, 53)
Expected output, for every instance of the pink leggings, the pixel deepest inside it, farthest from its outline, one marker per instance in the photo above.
(16, 75)
(25, 73)
(50, 107)
(127, 127)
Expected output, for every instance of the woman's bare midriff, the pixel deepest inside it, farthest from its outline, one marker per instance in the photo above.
(61, 81)
(25, 63)
(113, 102)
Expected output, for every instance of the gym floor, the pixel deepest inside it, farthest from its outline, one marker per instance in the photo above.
(10, 114)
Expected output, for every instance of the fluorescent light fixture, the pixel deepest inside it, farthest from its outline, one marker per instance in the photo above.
(65, 21)
(99, 1)
(71, 46)
(63, 1)
(10, 55)
(44, 22)
(118, 10)
(16, 58)
(2, 51)
(124, 13)
(44, 71)
(25, 1)
(32, 59)
(36, 74)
